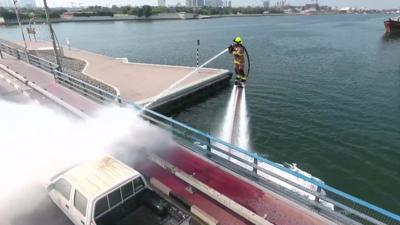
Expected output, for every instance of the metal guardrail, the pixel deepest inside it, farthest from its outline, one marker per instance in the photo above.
(347, 209)
(90, 90)
(29, 58)
(84, 87)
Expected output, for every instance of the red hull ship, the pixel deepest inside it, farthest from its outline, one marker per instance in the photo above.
(392, 26)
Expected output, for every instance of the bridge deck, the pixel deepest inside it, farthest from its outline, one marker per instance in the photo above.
(274, 208)
(264, 203)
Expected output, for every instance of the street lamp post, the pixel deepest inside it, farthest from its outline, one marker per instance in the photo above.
(22, 30)
(58, 60)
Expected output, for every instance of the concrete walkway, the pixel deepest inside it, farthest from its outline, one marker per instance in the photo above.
(136, 81)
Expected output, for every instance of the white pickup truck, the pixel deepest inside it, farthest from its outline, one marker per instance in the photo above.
(108, 192)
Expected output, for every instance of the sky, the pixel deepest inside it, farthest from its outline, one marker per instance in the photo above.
(375, 4)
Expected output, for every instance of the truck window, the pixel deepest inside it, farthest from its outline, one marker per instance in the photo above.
(138, 183)
(114, 197)
(101, 206)
(80, 202)
(63, 187)
(127, 190)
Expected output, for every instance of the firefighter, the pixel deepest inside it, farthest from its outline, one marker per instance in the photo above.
(238, 52)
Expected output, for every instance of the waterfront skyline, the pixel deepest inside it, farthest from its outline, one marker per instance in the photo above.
(375, 4)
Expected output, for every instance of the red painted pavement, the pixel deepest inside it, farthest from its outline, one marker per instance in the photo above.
(178, 187)
(242, 192)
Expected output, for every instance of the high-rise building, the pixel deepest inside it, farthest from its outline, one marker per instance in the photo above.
(5, 3)
(266, 4)
(214, 3)
(162, 3)
(195, 3)
(27, 3)
(200, 3)
(189, 3)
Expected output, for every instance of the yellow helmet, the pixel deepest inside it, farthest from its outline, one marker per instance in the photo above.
(238, 40)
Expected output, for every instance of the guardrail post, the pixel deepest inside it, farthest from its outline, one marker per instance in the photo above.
(255, 161)
(319, 189)
(28, 58)
(54, 73)
(17, 54)
(208, 145)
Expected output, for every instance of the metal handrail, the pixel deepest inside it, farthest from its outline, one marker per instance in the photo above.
(214, 143)
(35, 59)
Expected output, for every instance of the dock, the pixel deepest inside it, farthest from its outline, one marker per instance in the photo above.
(143, 83)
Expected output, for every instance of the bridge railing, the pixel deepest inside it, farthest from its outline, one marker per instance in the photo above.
(311, 192)
(94, 92)
(84, 87)
(29, 58)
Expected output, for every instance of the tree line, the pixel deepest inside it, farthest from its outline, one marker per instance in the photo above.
(143, 11)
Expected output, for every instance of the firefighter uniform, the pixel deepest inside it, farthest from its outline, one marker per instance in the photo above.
(237, 50)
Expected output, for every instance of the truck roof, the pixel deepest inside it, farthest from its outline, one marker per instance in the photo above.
(98, 176)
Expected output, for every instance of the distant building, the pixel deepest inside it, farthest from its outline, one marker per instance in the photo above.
(162, 3)
(214, 3)
(189, 3)
(195, 3)
(27, 3)
(200, 3)
(266, 4)
(67, 15)
(5, 3)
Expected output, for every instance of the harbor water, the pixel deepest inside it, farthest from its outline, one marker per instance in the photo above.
(324, 91)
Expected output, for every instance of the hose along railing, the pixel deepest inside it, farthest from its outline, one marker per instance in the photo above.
(322, 198)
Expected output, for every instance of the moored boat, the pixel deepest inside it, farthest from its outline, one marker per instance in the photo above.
(392, 25)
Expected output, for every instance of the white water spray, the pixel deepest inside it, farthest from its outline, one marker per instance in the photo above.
(243, 137)
(227, 125)
(156, 98)
(235, 126)
(36, 143)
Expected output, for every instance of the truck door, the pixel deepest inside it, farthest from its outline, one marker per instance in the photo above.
(79, 209)
(60, 193)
